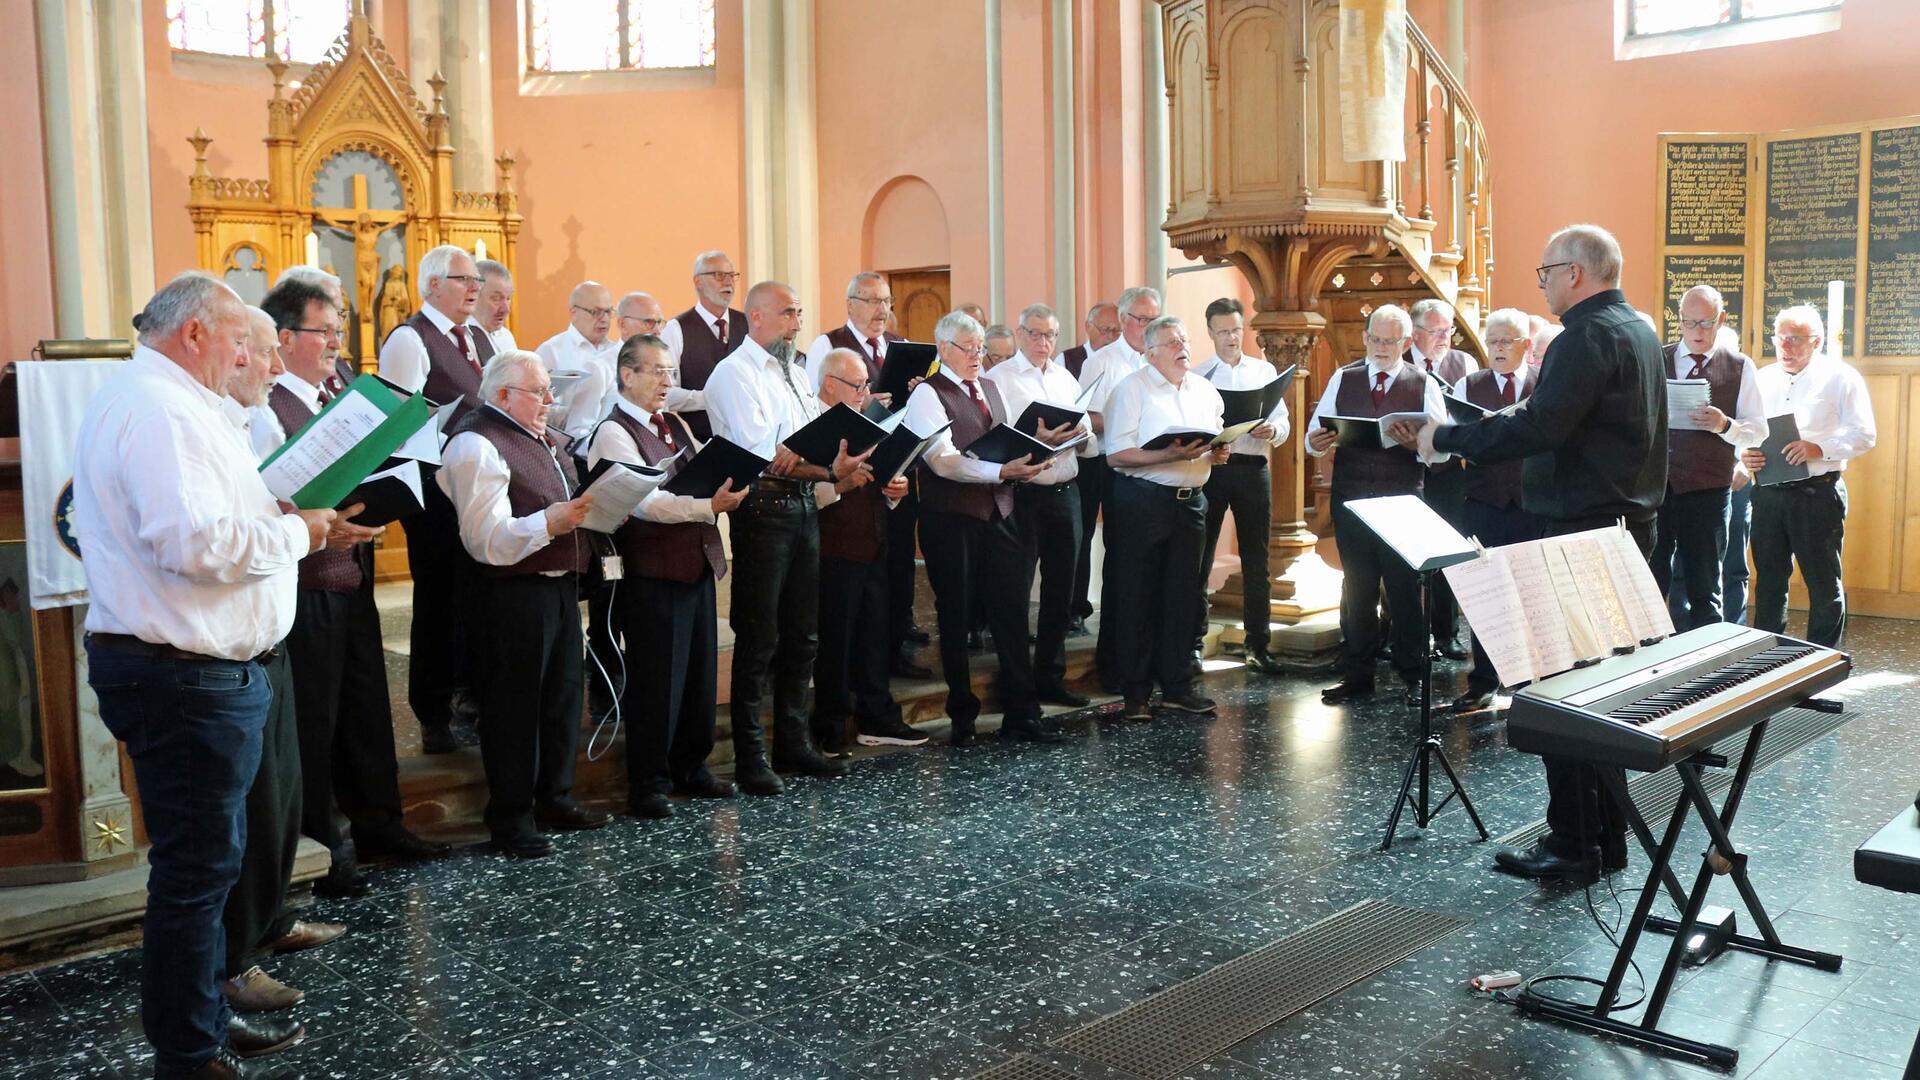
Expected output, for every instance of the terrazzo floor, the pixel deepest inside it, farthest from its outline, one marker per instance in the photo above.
(940, 911)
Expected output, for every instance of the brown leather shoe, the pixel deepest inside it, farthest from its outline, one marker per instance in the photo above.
(256, 991)
(307, 935)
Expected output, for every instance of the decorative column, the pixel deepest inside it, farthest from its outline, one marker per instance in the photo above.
(76, 169)
(454, 38)
(782, 160)
(996, 174)
(1153, 93)
(1061, 75)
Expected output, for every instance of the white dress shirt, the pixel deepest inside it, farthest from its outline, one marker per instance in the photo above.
(475, 477)
(263, 430)
(1749, 427)
(185, 546)
(404, 360)
(611, 442)
(1021, 384)
(671, 333)
(502, 339)
(1829, 403)
(821, 346)
(753, 404)
(1250, 373)
(1436, 404)
(267, 434)
(1144, 405)
(1115, 361)
(577, 408)
(925, 412)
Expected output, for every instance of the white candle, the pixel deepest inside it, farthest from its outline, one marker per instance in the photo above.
(1836, 292)
(313, 250)
(479, 250)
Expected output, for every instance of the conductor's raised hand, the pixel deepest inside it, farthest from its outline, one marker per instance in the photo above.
(1015, 472)
(564, 517)
(727, 498)
(344, 533)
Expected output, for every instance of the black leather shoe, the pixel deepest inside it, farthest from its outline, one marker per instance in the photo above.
(400, 843)
(904, 666)
(962, 735)
(523, 846)
(917, 636)
(438, 739)
(1473, 701)
(343, 881)
(1538, 862)
(1259, 660)
(1189, 702)
(1033, 729)
(226, 1065)
(1136, 708)
(1453, 650)
(755, 778)
(1346, 690)
(568, 816)
(1057, 694)
(256, 1036)
(832, 739)
(652, 805)
(705, 787)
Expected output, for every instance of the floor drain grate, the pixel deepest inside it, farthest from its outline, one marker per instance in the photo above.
(1654, 793)
(1026, 1067)
(1197, 1019)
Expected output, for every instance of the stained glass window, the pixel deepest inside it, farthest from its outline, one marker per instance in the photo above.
(609, 35)
(298, 31)
(1668, 16)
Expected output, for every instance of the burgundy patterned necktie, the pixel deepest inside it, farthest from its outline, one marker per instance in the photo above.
(720, 328)
(1699, 366)
(460, 339)
(666, 434)
(973, 391)
(1506, 389)
(873, 350)
(1379, 389)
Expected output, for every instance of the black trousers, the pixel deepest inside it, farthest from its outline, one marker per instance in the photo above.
(1244, 486)
(1048, 517)
(968, 557)
(1803, 522)
(1093, 484)
(1153, 564)
(1446, 492)
(1366, 563)
(850, 675)
(775, 611)
(256, 913)
(527, 632)
(899, 561)
(437, 646)
(672, 679)
(1493, 526)
(345, 716)
(1693, 526)
(1579, 810)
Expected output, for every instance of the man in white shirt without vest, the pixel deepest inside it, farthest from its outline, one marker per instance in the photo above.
(585, 349)
(1805, 521)
(705, 334)
(1047, 508)
(756, 399)
(1104, 370)
(513, 492)
(1243, 483)
(190, 569)
(1693, 519)
(495, 304)
(1158, 520)
(969, 537)
(437, 353)
(1102, 325)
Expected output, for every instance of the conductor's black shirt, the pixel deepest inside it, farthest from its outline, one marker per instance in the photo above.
(1594, 432)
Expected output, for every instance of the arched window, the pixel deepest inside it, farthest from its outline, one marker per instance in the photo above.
(1669, 16)
(297, 31)
(615, 35)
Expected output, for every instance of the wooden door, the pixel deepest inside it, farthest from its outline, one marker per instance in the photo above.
(920, 298)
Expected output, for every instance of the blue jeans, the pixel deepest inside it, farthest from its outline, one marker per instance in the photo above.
(193, 730)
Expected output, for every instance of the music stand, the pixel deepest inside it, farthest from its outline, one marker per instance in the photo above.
(1427, 544)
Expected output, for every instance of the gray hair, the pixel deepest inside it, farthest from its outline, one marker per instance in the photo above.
(1423, 308)
(494, 268)
(191, 295)
(1037, 311)
(1164, 322)
(1510, 317)
(1709, 294)
(1544, 336)
(1802, 315)
(1395, 314)
(312, 274)
(864, 277)
(1096, 309)
(953, 324)
(999, 330)
(701, 260)
(1138, 292)
(1590, 247)
(504, 367)
(435, 265)
(260, 320)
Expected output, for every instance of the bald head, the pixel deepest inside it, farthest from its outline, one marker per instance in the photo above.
(250, 382)
(843, 379)
(590, 310)
(773, 313)
(639, 313)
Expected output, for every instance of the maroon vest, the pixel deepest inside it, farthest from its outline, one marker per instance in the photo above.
(532, 486)
(449, 376)
(1702, 460)
(679, 552)
(1074, 359)
(1496, 485)
(854, 529)
(842, 338)
(701, 352)
(326, 570)
(941, 495)
(1361, 472)
(1451, 366)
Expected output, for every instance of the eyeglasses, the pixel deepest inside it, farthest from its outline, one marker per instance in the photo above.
(1433, 330)
(646, 321)
(1698, 324)
(1504, 342)
(1040, 335)
(882, 301)
(329, 333)
(545, 393)
(1544, 270)
(662, 371)
(1794, 340)
(1382, 342)
(464, 279)
(970, 350)
(722, 276)
(1138, 318)
(596, 312)
(859, 387)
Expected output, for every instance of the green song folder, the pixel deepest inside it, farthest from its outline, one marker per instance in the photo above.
(348, 441)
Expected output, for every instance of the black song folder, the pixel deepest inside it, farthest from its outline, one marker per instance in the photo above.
(1781, 430)
(1259, 403)
(818, 443)
(1168, 438)
(901, 450)
(905, 362)
(1046, 412)
(717, 462)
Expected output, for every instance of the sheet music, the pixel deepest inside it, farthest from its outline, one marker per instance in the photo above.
(1588, 562)
(1553, 648)
(1684, 396)
(1491, 601)
(1590, 642)
(325, 440)
(615, 495)
(1633, 581)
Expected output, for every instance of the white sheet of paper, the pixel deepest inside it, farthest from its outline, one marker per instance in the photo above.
(615, 495)
(1587, 559)
(1411, 528)
(324, 441)
(425, 445)
(1684, 396)
(1388, 420)
(1491, 602)
(1552, 642)
(408, 473)
(1633, 581)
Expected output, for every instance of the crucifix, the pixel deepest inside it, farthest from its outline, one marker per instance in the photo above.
(364, 225)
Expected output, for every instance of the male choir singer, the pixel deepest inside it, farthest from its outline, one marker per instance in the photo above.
(705, 334)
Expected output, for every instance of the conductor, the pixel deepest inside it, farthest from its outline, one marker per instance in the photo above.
(1594, 436)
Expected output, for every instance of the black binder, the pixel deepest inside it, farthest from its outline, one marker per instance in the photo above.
(906, 361)
(1781, 430)
(1355, 430)
(1003, 444)
(1168, 438)
(717, 462)
(818, 443)
(1046, 412)
(1462, 411)
(901, 450)
(397, 491)
(1259, 403)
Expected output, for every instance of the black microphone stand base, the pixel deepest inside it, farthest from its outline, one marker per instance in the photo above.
(1428, 750)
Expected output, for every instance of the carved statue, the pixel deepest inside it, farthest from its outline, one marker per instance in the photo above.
(396, 302)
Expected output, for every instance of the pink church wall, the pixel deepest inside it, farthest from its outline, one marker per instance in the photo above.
(26, 267)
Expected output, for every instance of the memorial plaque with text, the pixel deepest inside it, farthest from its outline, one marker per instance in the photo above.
(1893, 244)
(1706, 194)
(1813, 222)
(1681, 271)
